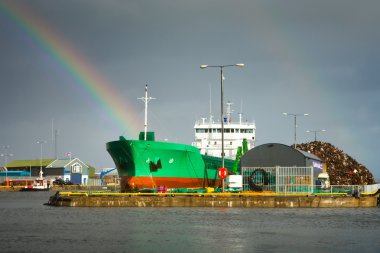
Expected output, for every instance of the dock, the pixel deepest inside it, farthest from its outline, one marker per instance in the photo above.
(242, 200)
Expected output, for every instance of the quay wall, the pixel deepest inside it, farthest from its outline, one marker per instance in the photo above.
(214, 201)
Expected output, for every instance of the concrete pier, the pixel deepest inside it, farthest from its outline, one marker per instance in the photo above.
(209, 200)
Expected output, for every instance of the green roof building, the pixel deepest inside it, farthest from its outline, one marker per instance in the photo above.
(68, 169)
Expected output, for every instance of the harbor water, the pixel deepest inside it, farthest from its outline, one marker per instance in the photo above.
(27, 225)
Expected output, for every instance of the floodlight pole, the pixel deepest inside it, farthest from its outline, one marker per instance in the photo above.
(221, 102)
(315, 132)
(6, 155)
(295, 124)
(41, 143)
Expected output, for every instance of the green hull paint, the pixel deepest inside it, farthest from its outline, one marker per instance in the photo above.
(139, 158)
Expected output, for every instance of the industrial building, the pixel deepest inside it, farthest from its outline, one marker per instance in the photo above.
(73, 170)
(279, 168)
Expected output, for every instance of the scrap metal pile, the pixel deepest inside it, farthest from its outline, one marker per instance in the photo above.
(342, 168)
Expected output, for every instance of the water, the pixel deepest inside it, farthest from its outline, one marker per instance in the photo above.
(26, 225)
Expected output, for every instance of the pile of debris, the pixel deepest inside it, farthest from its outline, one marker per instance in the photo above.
(342, 168)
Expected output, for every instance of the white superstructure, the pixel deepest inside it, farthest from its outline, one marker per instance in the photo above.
(208, 135)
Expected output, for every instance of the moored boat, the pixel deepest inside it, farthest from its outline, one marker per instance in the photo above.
(150, 164)
(39, 184)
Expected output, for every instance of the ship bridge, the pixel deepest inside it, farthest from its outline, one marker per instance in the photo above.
(208, 137)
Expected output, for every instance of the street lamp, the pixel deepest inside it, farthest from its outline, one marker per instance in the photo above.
(315, 132)
(295, 124)
(241, 65)
(6, 155)
(41, 143)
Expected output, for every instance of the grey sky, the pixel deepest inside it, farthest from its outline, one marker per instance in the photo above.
(316, 57)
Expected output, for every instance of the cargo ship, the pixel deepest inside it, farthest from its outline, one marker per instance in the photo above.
(148, 164)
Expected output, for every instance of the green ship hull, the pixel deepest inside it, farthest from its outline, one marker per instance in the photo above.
(150, 164)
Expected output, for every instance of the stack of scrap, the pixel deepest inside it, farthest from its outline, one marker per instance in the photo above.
(342, 168)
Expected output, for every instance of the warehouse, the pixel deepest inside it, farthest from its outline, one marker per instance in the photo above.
(279, 168)
(73, 170)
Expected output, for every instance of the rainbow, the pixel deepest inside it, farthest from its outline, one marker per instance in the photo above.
(74, 64)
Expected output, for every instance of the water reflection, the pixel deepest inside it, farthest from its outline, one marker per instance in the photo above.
(29, 226)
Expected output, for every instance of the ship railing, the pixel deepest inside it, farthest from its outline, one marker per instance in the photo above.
(207, 123)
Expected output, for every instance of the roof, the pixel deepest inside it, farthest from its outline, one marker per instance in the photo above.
(29, 163)
(277, 154)
(60, 163)
(310, 155)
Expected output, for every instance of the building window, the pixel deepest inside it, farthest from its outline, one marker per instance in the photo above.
(76, 168)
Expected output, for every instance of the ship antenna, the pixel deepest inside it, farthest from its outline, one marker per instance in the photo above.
(210, 107)
(146, 99)
(229, 111)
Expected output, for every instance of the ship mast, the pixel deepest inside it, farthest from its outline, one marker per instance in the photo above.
(146, 99)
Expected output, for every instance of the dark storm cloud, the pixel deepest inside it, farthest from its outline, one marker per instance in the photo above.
(319, 57)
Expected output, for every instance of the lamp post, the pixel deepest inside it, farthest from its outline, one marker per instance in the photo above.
(41, 143)
(6, 154)
(241, 65)
(295, 124)
(315, 132)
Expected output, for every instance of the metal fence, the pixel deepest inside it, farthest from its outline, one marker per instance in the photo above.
(353, 190)
(287, 180)
(18, 179)
(278, 179)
